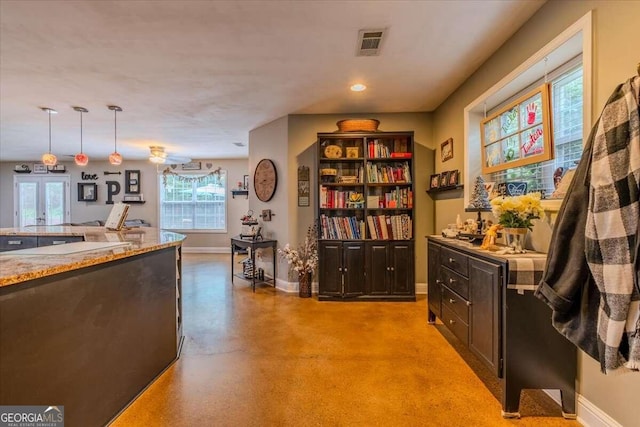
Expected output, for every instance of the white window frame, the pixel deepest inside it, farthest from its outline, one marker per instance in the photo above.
(196, 230)
(574, 40)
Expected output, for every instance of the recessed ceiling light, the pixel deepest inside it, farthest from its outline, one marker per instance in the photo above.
(358, 87)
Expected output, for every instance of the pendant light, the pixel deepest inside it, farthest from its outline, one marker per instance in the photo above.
(115, 158)
(48, 158)
(81, 159)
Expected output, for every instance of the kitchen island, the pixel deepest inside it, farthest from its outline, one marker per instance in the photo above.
(88, 327)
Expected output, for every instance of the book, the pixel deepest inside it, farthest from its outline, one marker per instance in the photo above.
(401, 155)
(117, 216)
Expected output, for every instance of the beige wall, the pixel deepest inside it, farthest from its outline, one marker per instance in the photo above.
(87, 211)
(615, 58)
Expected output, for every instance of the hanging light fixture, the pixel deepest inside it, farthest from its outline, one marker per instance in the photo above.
(115, 158)
(81, 159)
(48, 158)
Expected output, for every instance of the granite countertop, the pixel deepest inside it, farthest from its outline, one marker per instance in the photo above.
(16, 268)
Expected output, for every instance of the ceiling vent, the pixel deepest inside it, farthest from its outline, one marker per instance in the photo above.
(239, 144)
(370, 42)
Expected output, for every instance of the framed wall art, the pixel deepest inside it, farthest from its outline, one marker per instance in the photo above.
(444, 179)
(87, 192)
(434, 182)
(132, 181)
(304, 188)
(446, 150)
(518, 134)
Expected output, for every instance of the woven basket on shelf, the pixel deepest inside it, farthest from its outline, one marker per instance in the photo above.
(358, 125)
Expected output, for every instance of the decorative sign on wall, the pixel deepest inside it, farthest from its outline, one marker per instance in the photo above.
(132, 181)
(303, 186)
(518, 134)
(89, 176)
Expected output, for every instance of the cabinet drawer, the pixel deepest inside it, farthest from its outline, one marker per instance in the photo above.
(456, 304)
(456, 261)
(459, 328)
(58, 240)
(455, 282)
(12, 243)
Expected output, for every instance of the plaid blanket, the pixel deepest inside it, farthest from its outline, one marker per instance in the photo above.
(611, 230)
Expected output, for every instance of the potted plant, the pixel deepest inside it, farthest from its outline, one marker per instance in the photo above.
(515, 214)
(303, 260)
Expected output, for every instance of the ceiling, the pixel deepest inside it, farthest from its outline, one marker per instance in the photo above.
(197, 76)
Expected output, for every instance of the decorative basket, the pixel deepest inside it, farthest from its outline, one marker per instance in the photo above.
(358, 125)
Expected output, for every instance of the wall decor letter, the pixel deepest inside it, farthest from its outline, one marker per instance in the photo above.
(113, 188)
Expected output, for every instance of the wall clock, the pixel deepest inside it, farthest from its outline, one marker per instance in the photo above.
(265, 180)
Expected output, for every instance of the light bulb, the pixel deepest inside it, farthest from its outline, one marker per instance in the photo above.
(358, 87)
(81, 159)
(49, 159)
(115, 158)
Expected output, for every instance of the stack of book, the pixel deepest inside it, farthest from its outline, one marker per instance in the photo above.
(390, 227)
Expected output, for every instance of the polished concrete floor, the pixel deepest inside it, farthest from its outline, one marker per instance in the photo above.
(273, 359)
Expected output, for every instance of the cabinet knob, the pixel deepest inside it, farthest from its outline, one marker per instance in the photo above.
(439, 282)
(339, 268)
(344, 269)
(451, 260)
(451, 322)
(452, 301)
(393, 269)
(468, 303)
(451, 281)
(387, 268)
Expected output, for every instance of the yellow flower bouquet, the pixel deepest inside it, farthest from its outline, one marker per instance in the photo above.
(517, 211)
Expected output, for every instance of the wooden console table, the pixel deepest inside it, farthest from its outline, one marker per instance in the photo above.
(237, 243)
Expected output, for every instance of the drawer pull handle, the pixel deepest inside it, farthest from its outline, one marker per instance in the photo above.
(452, 301)
(452, 281)
(439, 282)
(468, 303)
(451, 322)
(59, 242)
(451, 260)
(15, 242)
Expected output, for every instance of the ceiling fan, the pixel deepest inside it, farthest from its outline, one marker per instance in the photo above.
(159, 155)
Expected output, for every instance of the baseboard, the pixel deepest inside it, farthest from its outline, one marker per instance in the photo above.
(589, 415)
(205, 250)
(421, 288)
(293, 287)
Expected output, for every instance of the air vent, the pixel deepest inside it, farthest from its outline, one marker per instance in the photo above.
(370, 42)
(239, 144)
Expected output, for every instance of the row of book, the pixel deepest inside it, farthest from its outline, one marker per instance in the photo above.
(398, 198)
(330, 198)
(379, 149)
(388, 174)
(394, 227)
(341, 228)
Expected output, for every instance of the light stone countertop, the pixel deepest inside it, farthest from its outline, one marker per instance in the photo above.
(16, 268)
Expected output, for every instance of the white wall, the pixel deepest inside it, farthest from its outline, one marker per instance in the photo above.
(99, 210)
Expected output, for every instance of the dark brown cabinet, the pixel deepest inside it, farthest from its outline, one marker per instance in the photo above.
(365, 216)
(341, 269)
(506, 327)
(390, 269)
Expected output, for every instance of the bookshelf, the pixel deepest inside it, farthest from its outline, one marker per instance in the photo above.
(365, 216)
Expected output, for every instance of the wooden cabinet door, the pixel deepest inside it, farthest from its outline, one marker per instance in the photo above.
(353, 269)
(377, 269)
(330, 268)
(484, 320)
(434, 289)
(402, 273)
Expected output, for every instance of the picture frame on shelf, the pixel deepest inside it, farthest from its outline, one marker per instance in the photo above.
(39, 168)
(444, 179)
(453, 178)
(192, 166)
(132, 181)
(446, 150)
(352, 152)
(434, 182)
(87, 192)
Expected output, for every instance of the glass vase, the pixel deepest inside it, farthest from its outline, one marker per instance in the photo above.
(304, 284)
(515, 238)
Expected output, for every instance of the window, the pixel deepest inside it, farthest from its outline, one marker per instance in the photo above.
(193, 202)
(566, 106)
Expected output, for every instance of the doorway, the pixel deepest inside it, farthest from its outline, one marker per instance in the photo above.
(41, 200)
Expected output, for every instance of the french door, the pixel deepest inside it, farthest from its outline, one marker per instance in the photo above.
(41, 200)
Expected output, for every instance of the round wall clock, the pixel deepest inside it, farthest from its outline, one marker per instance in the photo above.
(265, 180)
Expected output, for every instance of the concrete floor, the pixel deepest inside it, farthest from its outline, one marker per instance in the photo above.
(273, 359)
